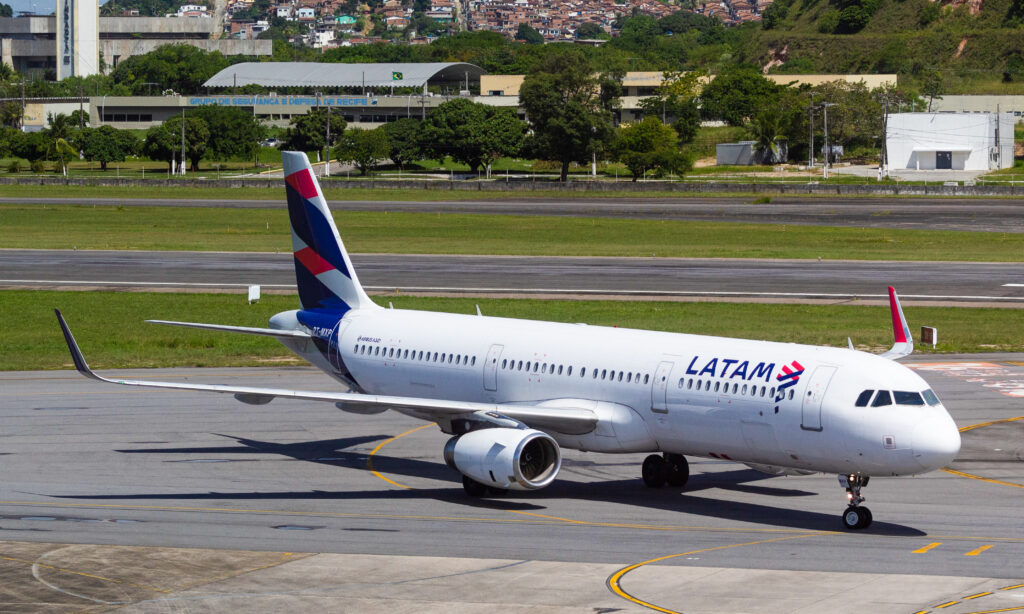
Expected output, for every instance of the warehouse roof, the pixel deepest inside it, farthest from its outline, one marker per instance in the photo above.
(321, 74)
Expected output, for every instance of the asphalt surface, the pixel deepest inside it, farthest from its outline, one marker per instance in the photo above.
(90, 463)
(989, 215)
(959, 282)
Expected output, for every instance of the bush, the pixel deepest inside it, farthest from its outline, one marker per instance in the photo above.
(37, 166)
(14, 166)
(828, 22)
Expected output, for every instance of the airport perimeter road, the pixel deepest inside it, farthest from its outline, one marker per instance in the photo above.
(90, 463)
(1001, 283)
(983, 214)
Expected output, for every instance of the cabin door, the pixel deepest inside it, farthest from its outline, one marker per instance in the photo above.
(491, 367)
(659, 387)
(811, 407)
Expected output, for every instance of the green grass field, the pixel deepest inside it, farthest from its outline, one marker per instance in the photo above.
(172, 228)
(109, 326)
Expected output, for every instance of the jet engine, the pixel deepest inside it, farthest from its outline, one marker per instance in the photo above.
(505, 458)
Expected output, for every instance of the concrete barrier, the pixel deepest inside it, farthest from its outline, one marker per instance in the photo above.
(527, 185)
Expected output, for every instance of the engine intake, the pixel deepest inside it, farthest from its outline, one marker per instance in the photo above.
(515, 459)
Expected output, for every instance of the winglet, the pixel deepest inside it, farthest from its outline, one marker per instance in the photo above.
(903, 342)
(76, 353)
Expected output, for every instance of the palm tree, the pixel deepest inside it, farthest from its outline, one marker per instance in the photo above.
(765, 130)
(62, 151)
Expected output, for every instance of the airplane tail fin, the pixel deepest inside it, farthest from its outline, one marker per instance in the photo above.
(323, 271)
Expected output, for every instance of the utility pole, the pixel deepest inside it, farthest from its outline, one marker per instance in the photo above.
(883, 169)
(327, 144)
(810, 110)
(828, 151)
(999, 152)
(183, 141)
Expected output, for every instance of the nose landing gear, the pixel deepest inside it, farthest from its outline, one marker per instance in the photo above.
(856, 516)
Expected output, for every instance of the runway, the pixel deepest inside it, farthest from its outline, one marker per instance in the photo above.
(784, 280)
(87, 463)
(982, 214)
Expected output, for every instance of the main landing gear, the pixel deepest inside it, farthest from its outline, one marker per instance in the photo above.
(856, 516)
(667, 468)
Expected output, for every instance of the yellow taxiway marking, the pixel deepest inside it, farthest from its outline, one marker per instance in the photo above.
(964, 474)
(84, 575)
(615, 580)
(1012, 609)
(977, 595)
(977, 551)
(369, 459)
(927, 548)
(1010, 588)
(946, 605)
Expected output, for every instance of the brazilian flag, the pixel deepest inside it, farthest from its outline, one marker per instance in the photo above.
(396, 76)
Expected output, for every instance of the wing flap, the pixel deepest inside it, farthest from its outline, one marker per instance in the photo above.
(570, 421)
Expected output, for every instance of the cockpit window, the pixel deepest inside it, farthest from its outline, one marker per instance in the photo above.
(862, 400)
(930, 397)
(907, 398)
(882, 398)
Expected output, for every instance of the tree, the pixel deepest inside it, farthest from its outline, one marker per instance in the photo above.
(591, 31)
(107, 144)
(932, 87)
(471, 133)
(10, 113)
(62, 151)
(6, 10)
(7, 73)
(182, 68)
(197, 139)
(237, 132)
(364, 148)
(79, 119)
(562, 100)
(308, 132)
(765, 129)
(403, 140)
(649, 145)
(528, 34)
(161, 144)
(737, 94)
(677, 99)
(31, 146)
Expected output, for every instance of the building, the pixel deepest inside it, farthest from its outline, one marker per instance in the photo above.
(30, 44)
(981, 104)
(953, 141)
(78, 33)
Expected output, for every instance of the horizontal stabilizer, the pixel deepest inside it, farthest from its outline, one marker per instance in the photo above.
(268, 332)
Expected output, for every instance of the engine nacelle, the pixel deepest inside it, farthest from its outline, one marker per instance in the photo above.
(515, 459)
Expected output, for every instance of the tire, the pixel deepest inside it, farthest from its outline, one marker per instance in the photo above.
(473, 488)
(654, 471)
(677, 470)
(857, 518)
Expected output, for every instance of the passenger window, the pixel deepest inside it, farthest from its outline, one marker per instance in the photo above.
(504, 362)
(645, 378)
(735, 387)
(882, 399)
(862, 400)
(744, 389)
(930, 397)
(569, 370)
(472, 362)
(680, 383)
(583, 371)
(559, 369)
(536, 367)
(521, 365)
(707, 385)
(689, 384)
(790, 394)
(544, 368)
(717, 385)
(620, 376)
(907, 398)
(771, 391)
(376, 351)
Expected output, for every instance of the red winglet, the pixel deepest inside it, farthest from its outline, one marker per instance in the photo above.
(898, 323)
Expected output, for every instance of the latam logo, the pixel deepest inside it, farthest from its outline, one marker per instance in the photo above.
(788, 378)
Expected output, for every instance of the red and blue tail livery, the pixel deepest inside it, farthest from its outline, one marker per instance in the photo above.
(323, 272)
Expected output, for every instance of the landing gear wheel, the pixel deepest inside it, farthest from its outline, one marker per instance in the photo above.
(474, 488)
(677, 470)
(857, 517)
(654, 471)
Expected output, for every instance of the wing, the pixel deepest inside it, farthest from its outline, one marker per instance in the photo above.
(267, 332)
(570, 421)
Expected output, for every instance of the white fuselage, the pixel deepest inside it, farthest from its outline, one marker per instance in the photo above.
(686, 394)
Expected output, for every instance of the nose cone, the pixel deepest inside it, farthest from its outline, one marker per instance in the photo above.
(936, 442)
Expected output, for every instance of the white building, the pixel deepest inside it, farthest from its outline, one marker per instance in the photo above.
(78, 38)
(956, 141)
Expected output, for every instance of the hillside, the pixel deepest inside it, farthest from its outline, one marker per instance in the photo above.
(972, 44)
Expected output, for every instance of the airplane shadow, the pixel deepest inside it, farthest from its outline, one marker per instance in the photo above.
(622, 491)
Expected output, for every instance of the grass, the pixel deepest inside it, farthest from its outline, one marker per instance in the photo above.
(174, 228)
(108, 325)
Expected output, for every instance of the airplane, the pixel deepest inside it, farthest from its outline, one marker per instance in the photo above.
(512, 393)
